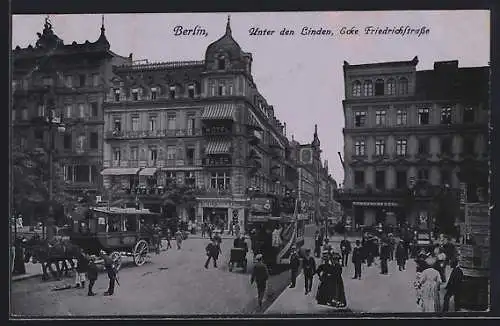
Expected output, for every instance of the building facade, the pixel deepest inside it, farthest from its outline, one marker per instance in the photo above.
(199, 124)
(314, 181)
(408, 129)
(67, 82)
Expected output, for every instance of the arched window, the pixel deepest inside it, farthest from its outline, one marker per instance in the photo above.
(368, 88)
(221, 63)
(356, 88)
(379, 87)
(391, 86)
(403, 86)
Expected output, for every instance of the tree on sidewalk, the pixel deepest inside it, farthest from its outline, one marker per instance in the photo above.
(30, 174)
(177, 197)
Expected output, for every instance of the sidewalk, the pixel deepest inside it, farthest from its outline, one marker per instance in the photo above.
(32, 270)
(374, 293)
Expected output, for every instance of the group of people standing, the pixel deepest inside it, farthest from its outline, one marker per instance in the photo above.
(431, 274)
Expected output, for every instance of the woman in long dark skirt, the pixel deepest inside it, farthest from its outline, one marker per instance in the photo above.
(339, 298)
(325, 271)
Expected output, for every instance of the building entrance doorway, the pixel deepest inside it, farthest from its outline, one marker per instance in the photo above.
(359, 215)
(216, 216)
(380, 216)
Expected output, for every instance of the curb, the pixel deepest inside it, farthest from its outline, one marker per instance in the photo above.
(301, 275)
(18, 278)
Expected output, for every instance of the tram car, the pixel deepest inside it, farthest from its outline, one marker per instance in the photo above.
(267, 217)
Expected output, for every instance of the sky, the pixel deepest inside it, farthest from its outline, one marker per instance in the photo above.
(301, 76)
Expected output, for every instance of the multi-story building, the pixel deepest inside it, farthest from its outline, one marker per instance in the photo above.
(312, 178)
(406, 128)
(67, 82)
(201, 124)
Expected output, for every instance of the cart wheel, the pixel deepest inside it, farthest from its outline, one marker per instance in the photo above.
(140, 252)
(117, 259)
(230, 267)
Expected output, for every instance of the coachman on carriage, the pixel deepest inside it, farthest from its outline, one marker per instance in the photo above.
(117, 231)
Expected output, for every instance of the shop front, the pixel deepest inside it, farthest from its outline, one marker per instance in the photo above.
(220, 211)
(369, 213)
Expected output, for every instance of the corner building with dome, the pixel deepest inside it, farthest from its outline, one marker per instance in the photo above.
(195, 124)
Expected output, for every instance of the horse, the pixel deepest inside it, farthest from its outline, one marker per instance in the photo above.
(57, 253)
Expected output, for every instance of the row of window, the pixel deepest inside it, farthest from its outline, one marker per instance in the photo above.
(402, 117)
(80, 110)
(152, 154)
(401, 178)
(68, 140)
(381, 88)
(81, 173)
(216, 88)
(218, 180)
(69, 81)
(171, 122)
(423, 146)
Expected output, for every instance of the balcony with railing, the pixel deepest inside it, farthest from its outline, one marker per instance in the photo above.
(209, 192)
(216, 161)
(137, 134)
(167, 163)
(217, 131)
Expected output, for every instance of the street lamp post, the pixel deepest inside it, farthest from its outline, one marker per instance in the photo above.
(54, 124)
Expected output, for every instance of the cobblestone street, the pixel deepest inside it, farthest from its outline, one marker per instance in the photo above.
(174, 282)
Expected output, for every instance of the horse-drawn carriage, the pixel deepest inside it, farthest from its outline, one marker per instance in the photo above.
(117, 231)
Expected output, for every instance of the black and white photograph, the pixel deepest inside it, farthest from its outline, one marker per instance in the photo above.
(258, 164)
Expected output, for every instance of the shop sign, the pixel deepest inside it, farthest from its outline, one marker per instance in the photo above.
(262, 205)
(215, 203)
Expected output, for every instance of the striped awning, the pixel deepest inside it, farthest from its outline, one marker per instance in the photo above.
(218, 147)
(148, 171)
(218, 112)
(375, 204)
(120, 171)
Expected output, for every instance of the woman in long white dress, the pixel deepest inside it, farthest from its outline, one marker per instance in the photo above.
(430, 283)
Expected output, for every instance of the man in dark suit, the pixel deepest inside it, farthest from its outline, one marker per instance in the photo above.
(260, 275)
(345, 249)
(318, 241)
(453, 287)
(294, 266)
(309, 266)
(357, 259)
(384, 256)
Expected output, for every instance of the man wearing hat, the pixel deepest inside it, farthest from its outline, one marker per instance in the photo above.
(111, 270)
(212, 250)
(92, 273)
(318, 241)
(357, 259)
(309, 266)
(260, 275)
(384, 256)
(294, 266)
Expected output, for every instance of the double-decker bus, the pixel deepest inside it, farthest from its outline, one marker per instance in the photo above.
(268, 215)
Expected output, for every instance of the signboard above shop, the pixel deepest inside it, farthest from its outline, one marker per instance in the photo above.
(261, 205)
